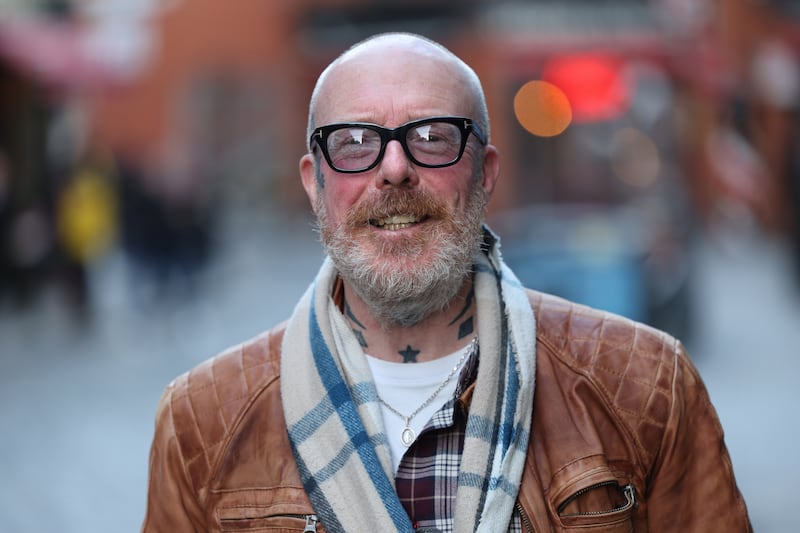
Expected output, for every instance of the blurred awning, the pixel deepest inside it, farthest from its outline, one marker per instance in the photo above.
(55, 54)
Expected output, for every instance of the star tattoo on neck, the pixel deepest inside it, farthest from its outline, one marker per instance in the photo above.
(409, 354)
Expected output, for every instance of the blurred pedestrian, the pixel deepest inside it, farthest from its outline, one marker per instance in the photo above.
(417, 385)
(85, 222)
(166, 237)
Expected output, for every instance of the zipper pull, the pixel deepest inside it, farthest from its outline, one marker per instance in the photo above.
(311, 523)
(630, 495)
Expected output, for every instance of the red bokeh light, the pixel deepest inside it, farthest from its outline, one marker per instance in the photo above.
(594, 82)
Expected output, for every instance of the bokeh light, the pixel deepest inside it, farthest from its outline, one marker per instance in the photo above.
(542, 108)
(594, 82)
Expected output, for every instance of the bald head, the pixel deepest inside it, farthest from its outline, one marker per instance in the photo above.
(396, 67)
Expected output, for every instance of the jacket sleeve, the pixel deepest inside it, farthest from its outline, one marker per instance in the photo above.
(172, 505)
(692, 486)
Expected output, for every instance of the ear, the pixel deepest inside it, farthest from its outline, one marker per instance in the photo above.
(491, 168)
(308, 175)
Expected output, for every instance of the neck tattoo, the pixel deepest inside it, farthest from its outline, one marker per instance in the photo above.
(408, 436)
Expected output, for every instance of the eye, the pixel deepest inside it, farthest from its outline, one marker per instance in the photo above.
(423, 133)
(356, 136)
(435, 133)
(353, 138)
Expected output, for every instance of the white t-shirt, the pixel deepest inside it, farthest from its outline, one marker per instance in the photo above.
(406, 386)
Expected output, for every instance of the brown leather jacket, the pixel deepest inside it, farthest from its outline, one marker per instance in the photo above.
(624, 438)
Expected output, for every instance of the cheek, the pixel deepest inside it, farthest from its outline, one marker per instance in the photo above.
(453, 191)
(338, 201)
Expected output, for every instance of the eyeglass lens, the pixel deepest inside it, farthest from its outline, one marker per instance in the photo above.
(433, 143)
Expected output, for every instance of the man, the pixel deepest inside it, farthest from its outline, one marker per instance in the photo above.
(417, 385)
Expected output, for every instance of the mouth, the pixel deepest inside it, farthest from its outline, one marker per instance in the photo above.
(396, 222)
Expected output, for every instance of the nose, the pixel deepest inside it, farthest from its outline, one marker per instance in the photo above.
(395, 169)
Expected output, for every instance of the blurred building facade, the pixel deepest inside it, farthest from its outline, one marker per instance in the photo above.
(684, 114)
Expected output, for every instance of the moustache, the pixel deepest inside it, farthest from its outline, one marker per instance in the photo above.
(416, 203)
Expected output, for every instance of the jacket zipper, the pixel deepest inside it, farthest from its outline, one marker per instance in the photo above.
(524, 518)
(628, 490)
(311, 520)
(311, 523)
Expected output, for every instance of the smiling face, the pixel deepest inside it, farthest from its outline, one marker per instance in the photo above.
(402, 236)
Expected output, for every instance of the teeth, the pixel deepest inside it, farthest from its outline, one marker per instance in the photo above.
(397, 222)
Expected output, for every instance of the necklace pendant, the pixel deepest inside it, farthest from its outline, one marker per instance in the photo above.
(408, 436)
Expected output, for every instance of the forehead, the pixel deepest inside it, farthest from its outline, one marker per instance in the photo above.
(393, 82)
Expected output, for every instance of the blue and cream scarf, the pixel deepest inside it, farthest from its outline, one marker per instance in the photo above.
(334, 419)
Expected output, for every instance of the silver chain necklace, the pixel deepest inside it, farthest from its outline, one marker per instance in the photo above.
(409, 435)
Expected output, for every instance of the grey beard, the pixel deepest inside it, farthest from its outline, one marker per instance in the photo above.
(403, 298)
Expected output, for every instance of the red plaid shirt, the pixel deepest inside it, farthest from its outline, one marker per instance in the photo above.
(427, 478)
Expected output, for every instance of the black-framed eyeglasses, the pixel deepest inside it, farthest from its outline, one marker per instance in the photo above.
(431, 142)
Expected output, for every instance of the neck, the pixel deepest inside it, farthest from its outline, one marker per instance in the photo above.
(438, 335)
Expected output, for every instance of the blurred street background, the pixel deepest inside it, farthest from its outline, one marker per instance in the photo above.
(151, 213)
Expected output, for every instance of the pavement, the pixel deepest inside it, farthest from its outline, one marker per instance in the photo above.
(78, 398)
(748, 353)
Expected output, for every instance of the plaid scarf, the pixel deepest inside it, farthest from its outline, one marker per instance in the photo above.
(334, 420)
